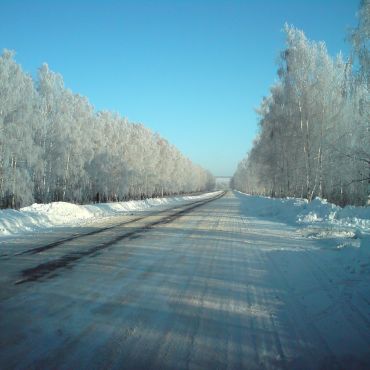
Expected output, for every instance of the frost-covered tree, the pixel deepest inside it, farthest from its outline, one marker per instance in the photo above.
(314, 129)
(55, 147)
(18, 112)
(360, 39)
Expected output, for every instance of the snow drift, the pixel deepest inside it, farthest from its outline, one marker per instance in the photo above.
(348, 226)
(43, 216)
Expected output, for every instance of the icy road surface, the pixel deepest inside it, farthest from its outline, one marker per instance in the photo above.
(207, 287)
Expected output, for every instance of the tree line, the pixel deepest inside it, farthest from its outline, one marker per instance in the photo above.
(55, 147)
(314, 127)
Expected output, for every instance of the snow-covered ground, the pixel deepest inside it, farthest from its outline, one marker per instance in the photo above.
(242, 282)
(40, 217)
(340, 236)
(343, 227)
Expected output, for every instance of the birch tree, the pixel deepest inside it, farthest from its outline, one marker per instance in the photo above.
(314, 127)
(17, 152)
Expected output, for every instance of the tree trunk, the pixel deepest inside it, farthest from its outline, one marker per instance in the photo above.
(65, 177)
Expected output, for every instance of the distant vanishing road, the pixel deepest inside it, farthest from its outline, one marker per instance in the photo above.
(203, 286)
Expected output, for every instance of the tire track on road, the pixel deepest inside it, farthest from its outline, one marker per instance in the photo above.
(46, 268)
(93, 232)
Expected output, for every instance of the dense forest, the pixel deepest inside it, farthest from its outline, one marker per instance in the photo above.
(314, 127)
(55, 147)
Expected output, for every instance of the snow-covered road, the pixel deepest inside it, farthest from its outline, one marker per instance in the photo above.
(219, 286)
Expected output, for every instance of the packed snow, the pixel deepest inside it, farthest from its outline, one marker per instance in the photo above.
(238, 283)
(39, 217)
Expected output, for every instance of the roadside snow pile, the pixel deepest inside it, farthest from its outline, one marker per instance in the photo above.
(280, 209)
(321, 210)
(41, 216)
(348, 226)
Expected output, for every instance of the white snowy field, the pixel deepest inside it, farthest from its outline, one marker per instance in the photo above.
(41, 217)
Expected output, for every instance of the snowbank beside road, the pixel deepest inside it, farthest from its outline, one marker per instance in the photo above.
(41, 216)
(348, 226)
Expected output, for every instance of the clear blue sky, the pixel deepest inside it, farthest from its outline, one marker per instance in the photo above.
(191, 70)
